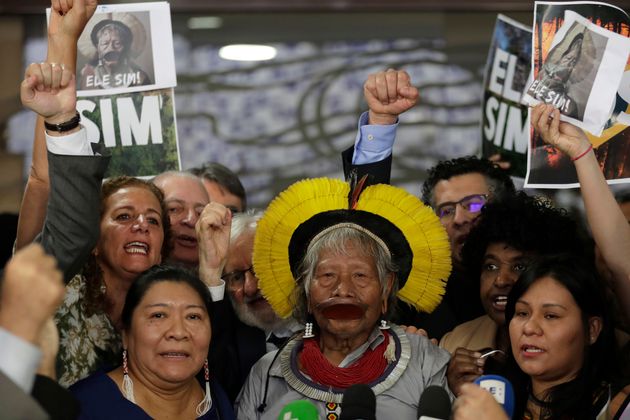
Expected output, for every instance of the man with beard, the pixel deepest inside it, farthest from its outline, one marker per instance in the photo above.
(253, 328)
(112, 67)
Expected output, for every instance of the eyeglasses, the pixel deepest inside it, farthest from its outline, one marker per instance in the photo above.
(472, 204)
(237, 277)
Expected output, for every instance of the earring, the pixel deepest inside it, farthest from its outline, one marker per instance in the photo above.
(384, 325)
(308, 330)
(127, 382)
(206, 404)
(103, 288)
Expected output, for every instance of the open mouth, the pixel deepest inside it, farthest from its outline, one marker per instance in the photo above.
(112, 56)
(499, 302)
(531, 350)
(333, 310)
(137, 247)
(186, 240)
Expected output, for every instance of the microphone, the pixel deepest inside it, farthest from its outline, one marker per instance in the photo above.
(501, 389)
(358, 403)
(435, 404)
(299, 410)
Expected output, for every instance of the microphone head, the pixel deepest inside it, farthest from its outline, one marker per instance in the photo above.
(501, 389)
(299, 410)
(358, 402)
(434, 403)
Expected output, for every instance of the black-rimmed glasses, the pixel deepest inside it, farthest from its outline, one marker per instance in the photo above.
(471, 203)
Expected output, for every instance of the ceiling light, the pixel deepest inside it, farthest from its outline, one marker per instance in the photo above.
(247, 52)
(205, 22)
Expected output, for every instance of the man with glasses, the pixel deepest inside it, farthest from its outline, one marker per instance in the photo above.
(457, 189)
(252, 328)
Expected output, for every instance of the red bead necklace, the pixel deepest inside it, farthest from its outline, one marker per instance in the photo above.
(364, 371)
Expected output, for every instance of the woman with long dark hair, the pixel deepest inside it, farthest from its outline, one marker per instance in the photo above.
(563, 349)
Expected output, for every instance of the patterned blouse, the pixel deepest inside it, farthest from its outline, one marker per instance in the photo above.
(86, 344)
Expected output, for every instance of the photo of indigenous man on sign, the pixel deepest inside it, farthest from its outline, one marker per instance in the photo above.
(580, 54)
(568, 74)
(126, 48)
(114, 44)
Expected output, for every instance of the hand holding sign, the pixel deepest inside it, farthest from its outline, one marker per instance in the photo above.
(562, 135)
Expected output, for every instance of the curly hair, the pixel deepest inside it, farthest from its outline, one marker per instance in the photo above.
(498, 180)
(94, 302)
(528, 224)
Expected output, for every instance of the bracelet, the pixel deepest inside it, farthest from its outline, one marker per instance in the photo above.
(590, 147)
(64, 126)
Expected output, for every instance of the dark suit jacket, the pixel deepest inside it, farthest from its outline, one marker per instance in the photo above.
(71, 229)
(378, 172)
(56, 400)
(235, 348)
(16, 404)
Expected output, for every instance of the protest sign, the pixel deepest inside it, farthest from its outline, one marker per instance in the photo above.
(137, 128)
(505, 125)
(578, 65)
(125, 75)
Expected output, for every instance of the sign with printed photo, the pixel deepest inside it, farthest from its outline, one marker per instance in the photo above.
(126, 48)
(580, 56)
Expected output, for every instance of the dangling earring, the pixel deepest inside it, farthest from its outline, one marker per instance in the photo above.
(308, 330)
(206, 404)
(384, 325)
(127, 382)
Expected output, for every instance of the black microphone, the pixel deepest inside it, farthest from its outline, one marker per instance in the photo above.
(358, 403)
(434, 404)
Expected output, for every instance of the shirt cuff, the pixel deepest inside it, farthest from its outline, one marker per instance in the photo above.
(373, 142)
(19, 360)
(217, 292)
(74, 144)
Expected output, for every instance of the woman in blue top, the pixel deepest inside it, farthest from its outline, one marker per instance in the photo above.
(166, 335)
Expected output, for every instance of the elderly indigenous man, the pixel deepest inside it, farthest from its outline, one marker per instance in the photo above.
(337, 260)
(112, 66)
(456, 189)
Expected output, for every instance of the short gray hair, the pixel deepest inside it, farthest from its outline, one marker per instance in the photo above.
(245, 222)
(337, 241)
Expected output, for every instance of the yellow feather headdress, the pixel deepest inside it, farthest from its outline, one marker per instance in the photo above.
(412, 232)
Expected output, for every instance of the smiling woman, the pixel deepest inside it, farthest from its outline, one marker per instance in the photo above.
(166, 335)
(133, 226)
